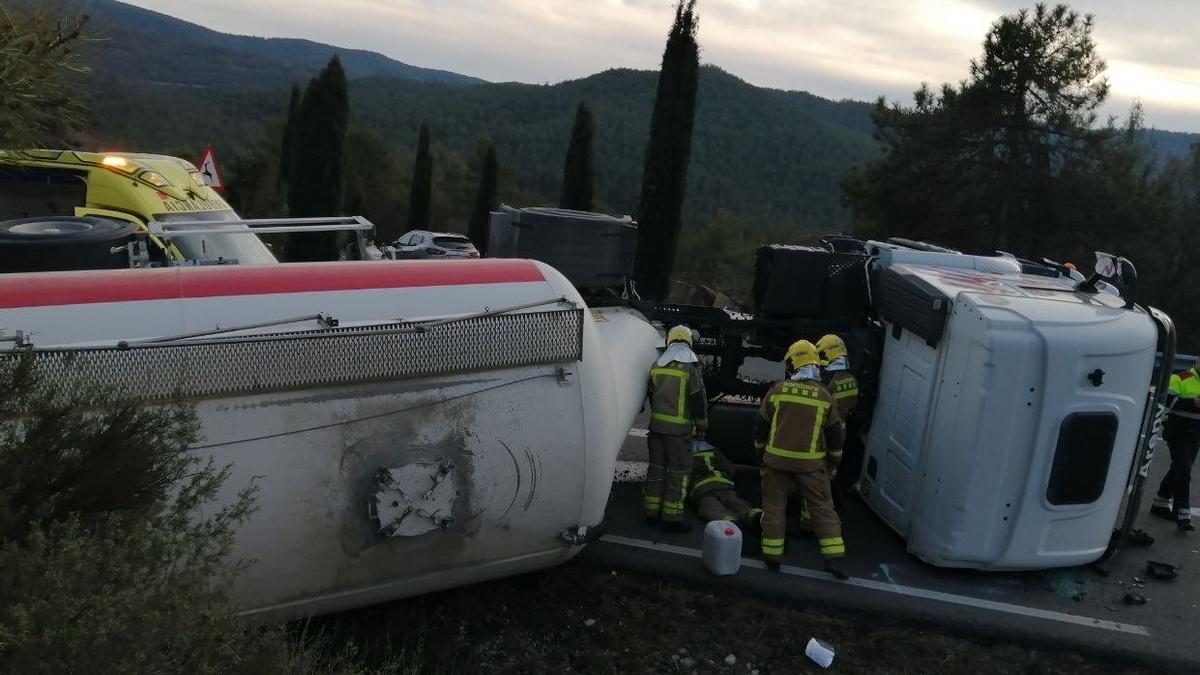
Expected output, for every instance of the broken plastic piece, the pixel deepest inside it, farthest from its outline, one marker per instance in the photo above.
(1140, 538)
(819, 652)
(1161, 570)
(1134, 599)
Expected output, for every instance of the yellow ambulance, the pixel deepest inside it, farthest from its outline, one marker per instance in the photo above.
(126, 187)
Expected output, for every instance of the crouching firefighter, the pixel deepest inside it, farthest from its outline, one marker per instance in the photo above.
(678, 411)
(1182, 434)
(799, 436)
(712, 493)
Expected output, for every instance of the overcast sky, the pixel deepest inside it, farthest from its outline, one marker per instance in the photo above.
(838, 49)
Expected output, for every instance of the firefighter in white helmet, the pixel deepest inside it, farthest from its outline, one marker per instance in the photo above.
(799, 435)
(678, 412)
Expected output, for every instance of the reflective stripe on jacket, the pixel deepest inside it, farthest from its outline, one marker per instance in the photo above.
(671, 390)
(1183, 393)
(710, 470)
(799, 413)
(844, 388)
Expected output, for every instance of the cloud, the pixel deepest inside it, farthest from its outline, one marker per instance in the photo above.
(858, 49)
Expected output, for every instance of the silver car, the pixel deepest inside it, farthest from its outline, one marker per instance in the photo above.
(423, 244)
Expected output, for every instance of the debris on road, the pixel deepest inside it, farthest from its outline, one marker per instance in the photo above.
(1140, 538)
(819, 652)
(1161, 570)
(1134, 599)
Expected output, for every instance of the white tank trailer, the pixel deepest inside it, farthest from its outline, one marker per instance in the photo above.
(412, 425)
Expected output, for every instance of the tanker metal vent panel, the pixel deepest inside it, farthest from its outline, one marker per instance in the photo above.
(341, 356)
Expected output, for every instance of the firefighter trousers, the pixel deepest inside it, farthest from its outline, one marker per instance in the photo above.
(722, 504)
(813, 487)
(667, 476)
(1176, 485)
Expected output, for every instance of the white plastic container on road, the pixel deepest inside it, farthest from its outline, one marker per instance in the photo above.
(819, 652)
(722, 548)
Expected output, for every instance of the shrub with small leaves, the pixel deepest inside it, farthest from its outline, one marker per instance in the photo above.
(114, 554)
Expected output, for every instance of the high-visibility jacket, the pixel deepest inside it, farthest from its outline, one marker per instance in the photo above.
(1181, 399)
(677, 398)
(803, 430)
(710, 471)
(844, 388)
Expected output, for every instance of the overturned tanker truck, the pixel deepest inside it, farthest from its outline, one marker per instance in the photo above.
(1009, 408)
(410, 425)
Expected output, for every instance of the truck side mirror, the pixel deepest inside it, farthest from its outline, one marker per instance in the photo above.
(1107, 265)
(1115, 269)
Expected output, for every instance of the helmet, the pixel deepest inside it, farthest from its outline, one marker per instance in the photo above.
(801, 353)
(831, 347)
(680, 333)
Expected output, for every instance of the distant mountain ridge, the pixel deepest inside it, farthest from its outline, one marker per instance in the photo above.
(132, 43)
(764, 156)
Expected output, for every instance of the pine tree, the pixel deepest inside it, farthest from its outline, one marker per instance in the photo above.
(486, 199)
(989, 164)
(317, 173)
(664, 172)
(39, 56)
(288, 142)
(579, 176)
(420, 206)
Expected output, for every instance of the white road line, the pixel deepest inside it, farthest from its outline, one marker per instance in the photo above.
(639, 433)
(950, 598)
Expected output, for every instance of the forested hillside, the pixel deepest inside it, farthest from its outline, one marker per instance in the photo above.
(764, 155)
(766, 165)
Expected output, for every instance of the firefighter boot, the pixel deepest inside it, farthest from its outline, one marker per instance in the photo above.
(751, 523)
(678, 526)
(1162, 508)
(834, 567)
(772, 565)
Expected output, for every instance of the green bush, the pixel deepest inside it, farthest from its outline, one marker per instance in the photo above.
(113, 555)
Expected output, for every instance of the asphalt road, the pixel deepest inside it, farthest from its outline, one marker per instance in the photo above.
(1082, 608)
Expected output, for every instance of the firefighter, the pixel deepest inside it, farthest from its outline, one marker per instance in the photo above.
(835, 365)
(1182, 434)
(678, 412)
(799, 437)
(712, 493)
(835, 370)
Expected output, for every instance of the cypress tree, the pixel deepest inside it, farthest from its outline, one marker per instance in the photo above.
(664, 172)
(486, 199)
(421, 197)
(288, 143)
(578, 173)
(317, 173)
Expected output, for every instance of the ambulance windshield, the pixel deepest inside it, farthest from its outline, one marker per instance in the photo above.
(244, 249)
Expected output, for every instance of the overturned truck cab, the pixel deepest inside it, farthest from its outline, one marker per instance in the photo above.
(1009, 408)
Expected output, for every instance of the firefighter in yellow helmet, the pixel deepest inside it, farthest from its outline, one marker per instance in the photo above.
(835, 369)
(678, 411)
(799, 435)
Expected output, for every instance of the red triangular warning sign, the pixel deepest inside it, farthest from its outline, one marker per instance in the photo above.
(210, 175)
